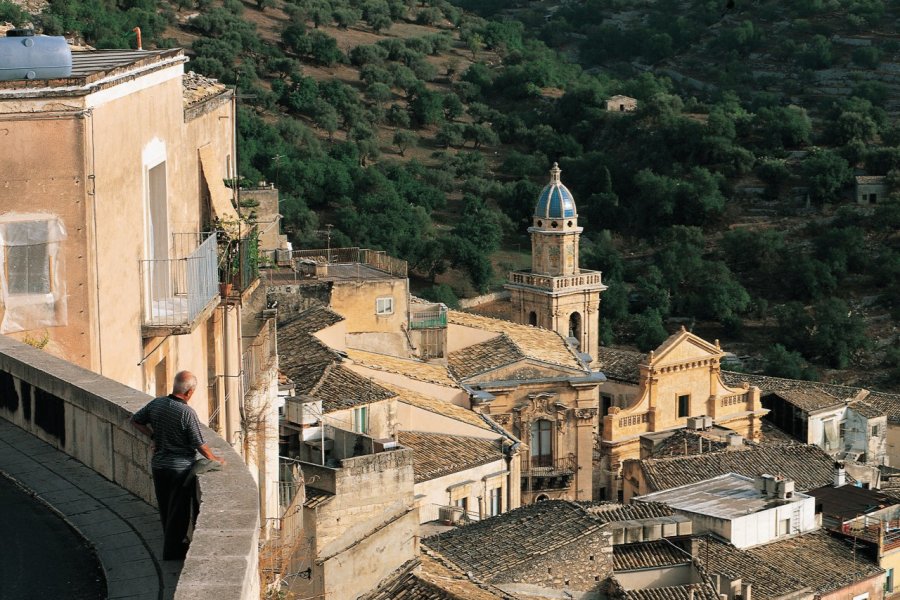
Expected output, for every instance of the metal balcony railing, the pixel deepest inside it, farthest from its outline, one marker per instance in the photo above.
(258, 355)
(176, 290)
(432, 318)
(545, 466)
(239, 261)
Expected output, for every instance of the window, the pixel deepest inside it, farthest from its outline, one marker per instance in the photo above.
(541, 443)
(874, 430)
(862, 596)
(575, 326)
(28, 263)
(784, 526)
(842, 431)
(463, 503)
(496, 506)
(606, 402)
(361, 419)
(889, 580)
(384, 306)
(684, 405)
(32, 285)
(532, 319)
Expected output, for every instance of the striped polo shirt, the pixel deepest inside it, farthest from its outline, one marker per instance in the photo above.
(176, 432)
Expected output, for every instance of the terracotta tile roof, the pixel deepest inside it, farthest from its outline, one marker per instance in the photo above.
(721, 558)
(816, 560)
(491, 547)
(436, 455)
(610, 512)
(312, 319)
(885, 402)
(301, 356)
(436, 406)
(620, 365)
(866, 410)
(340, 389)
(684, 441)
(870, 179)
(414, 369)
(770, 435)
(643, 555)
(197, 88)
(534, 342)
(809, 466)
(429, 579)
(691, 591)
(486, 356)
(316, 497)
(809, 400)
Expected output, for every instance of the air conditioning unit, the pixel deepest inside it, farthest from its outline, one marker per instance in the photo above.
(698, 423)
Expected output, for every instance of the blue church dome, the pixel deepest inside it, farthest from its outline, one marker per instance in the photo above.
(555, 201)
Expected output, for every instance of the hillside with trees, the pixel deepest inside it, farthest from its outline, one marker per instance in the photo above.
(427, 130)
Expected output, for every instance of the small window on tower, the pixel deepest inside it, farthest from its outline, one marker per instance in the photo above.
(569, 224)
(540, 223)
(554, 224)
(532, 319)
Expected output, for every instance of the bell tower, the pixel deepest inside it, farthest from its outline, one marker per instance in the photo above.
(556, 293)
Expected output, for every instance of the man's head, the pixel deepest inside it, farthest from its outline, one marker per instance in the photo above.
(184, 385)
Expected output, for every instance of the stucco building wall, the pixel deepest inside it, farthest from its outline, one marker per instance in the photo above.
(474, 484)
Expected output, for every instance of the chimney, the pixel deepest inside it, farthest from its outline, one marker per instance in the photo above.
(746, 591)
(735, 440)
(840, 475)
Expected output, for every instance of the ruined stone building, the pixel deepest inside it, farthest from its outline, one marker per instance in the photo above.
(112, 178)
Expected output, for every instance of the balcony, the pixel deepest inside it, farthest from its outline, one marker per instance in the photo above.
(176, 293)
(238, 262)
(433, 317)
(545, 473)
(584, 279)
(258, 356)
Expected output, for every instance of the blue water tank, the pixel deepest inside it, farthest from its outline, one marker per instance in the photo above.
(24, 55)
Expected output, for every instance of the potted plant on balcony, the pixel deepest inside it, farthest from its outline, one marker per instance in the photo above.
(229, 255)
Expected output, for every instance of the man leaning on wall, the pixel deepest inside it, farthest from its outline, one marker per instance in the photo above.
(175, 435)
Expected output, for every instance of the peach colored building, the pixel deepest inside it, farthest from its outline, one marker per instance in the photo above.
(110, 180)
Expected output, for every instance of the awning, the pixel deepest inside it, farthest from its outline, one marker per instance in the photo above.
(218, 192)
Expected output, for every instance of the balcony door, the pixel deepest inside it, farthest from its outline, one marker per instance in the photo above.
(157, 236)
(541, 443)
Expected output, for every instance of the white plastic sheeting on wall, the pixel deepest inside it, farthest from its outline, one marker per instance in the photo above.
(32, 282)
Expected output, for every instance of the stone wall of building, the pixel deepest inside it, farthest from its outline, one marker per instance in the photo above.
(87, 416)
(579, 566)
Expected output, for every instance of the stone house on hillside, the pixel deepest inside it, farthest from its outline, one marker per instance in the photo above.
(870, 189)
(620, 103)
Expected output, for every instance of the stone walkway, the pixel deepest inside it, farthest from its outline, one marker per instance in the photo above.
(123, 529)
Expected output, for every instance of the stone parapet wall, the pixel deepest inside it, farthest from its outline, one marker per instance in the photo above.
(87, 416)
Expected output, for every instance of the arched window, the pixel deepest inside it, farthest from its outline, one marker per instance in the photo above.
(575, 326)
(532, 319)
(541, 443)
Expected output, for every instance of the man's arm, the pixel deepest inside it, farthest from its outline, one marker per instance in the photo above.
(205, 451)
(142, 428)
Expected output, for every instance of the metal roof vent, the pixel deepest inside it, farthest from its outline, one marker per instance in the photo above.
(24, 55)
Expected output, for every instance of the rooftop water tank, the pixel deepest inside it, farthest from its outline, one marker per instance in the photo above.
(24, 55)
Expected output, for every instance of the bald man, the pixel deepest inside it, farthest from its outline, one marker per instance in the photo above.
(176, 438)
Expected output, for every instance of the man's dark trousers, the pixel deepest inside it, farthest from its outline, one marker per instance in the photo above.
(174, 499)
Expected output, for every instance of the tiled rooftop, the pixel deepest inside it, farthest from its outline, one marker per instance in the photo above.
(810, 400)
(432, 580)
(198, 88)
(436, 406)
(884, 402)
(870, 179)
(340, 389)
(816, 559)
(414, 369)
(491, 547)
(534, 342)
(690, 591)
(486, 356)
(611, 512)
(683, 442)
(436, 455)
(620, 365)
(768, 582)
(644, 555)
(809, 466)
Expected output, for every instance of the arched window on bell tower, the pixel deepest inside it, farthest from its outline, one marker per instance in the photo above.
(575, 327)
(532, 319)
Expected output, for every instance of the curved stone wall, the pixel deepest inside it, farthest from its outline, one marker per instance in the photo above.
(87, 416)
